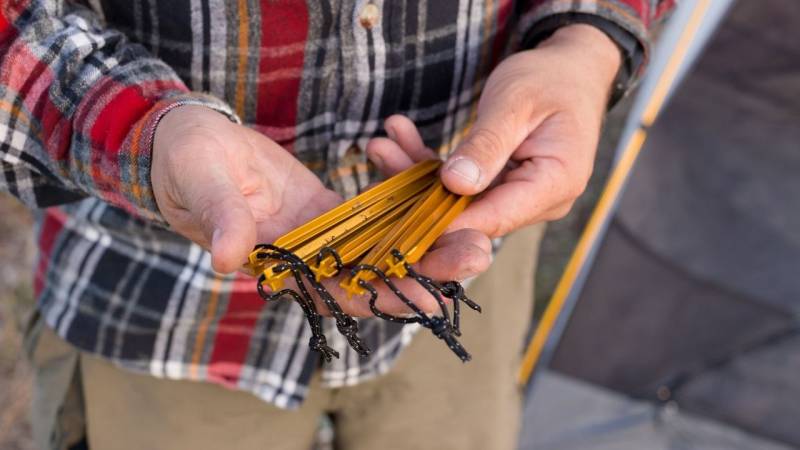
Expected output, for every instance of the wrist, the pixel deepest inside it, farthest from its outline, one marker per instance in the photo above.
(594, 46)
(181, 115)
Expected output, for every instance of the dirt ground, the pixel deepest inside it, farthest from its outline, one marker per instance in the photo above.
(16, 254)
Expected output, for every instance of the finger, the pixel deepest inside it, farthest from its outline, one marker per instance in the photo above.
(475, 237)
(403, 148)
(226, 220)
(388, 157)
(555, 164)
(403, 131)
(480, 157)
(467, 256)
(527, 195)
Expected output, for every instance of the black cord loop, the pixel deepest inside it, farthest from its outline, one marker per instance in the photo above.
(440, 325)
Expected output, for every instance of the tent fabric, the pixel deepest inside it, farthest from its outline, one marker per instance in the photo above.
(694, 295)
(568, 414)
(653, 332)
(716, 189)
(644, 324)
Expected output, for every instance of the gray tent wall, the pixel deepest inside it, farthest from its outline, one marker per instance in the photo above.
(690, 306)
(663, 50)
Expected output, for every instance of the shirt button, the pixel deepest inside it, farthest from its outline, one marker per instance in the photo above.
(370, 15)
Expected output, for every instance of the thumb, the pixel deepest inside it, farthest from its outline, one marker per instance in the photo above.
(226, 220)
(481, 156)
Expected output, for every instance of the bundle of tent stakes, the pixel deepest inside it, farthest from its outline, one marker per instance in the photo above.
(374, 237)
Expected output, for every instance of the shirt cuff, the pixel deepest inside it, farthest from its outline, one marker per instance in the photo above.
(135, 170)
(632, 48)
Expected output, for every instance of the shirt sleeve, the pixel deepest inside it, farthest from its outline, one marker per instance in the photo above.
(627, 22)
(78, 108)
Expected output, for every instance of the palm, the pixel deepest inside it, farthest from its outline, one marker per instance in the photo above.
(227, 187)
(280, 191)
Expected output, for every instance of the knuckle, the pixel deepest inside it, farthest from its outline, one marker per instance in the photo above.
(519, 105)
(566, 182)
(484, 144)
(476, 261)
(205, 215)
(576, 189)
(560, 212)
(502, 225)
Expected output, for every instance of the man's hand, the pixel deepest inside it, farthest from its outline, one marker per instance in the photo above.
(227, 187)
(533, 144)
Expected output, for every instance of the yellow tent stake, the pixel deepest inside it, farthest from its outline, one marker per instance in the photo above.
(415, 179)
(355, 247)
(343, 230)
(357, 203)
(434, 207)
(352, 224)
(416, 252)
(414, 235)
(359, 244)
(433, 195)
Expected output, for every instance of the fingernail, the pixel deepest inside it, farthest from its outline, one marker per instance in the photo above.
(466, 168)
(391, 133)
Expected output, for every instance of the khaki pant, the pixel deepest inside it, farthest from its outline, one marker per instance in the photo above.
(429, 400)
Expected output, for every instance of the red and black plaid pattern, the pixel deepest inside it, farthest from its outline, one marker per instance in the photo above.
(82, 88)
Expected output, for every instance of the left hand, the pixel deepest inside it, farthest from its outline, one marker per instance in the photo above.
(531, 150)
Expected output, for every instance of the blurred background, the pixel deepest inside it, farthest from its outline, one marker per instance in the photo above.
(675, 325)
(16, 275)
(678, 328)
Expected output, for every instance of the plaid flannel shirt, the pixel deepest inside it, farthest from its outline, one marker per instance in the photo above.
(83, 85)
